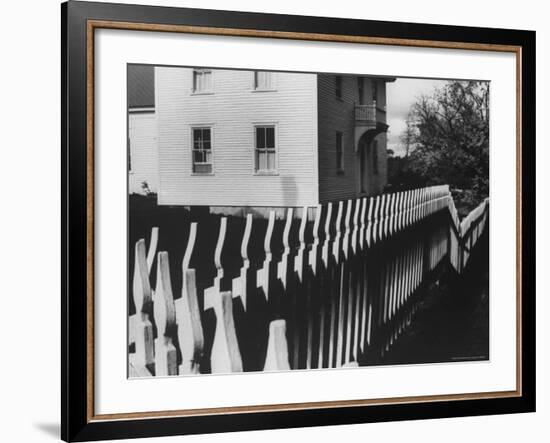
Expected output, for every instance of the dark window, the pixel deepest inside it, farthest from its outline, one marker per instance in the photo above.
(202, 151)
(202, 80)
(129, 154)
(339, 151)
(361, 89)
(265, 149)
(338, 86)
(263, 80)
(374, 90)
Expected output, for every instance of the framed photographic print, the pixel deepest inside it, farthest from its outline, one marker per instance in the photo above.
(282, 221)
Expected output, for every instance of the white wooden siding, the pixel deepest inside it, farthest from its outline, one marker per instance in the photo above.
(142, 132)
(232, 111)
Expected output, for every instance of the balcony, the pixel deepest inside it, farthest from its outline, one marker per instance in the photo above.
(370, 120)
(369, 115)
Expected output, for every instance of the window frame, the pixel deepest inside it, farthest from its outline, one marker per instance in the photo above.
(361, 90)
(192, 146)
(194, 91)
(255, 88)
(340, 165)
(338, 86)
(256, 170)
(374, 91)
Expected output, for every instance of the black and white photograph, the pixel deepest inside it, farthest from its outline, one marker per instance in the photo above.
(296, 221)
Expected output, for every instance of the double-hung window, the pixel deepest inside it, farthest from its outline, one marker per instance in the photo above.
(338, 86)
(263, 81)
(202, 150)
(265, 149)
(202, 81)
(339, 152)
(361, 90)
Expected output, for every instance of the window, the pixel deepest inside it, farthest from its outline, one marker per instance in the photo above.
(374, 90)
(202, 80)
(374, 149)
(202, 151)
(338, 86)
(265, 149)
(339, 152)
(263, 81)
(361, 89)
(129, 155)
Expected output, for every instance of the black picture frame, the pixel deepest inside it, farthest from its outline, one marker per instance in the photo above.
(77, 423)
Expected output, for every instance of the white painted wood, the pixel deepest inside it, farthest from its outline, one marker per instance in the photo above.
(140, 326)
(142, 133)
(239, 284)
(232, 111)
(314, 251)
(262, 275)
(299, 259)
(165, 319)
(282, 266)
(277, 348)
(152, 247)
(326, 242)
(225, 356)
(190, 332)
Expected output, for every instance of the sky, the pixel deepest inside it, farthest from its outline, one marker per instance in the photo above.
(400, 96)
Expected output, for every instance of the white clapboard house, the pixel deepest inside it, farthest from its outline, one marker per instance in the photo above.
(242, 138)
(143, 155)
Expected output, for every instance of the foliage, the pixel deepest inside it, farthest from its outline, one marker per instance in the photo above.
(447, 138)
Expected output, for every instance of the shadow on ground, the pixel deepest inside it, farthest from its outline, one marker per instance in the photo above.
(452, 322)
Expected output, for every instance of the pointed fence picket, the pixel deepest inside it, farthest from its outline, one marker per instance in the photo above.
(329, 286)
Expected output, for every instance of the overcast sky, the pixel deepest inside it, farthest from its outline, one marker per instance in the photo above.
(400, 96)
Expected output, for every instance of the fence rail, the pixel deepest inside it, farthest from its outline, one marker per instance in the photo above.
(335, 289)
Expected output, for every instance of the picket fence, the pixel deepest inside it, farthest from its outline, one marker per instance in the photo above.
(338, 293)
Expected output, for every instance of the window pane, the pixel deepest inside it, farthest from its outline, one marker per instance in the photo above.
(262, 80)
(202, 169)
(270, 138)
(197, 135)
(339, 153)
(207, 155)
(260, 138)
(271, 160)
(207, 76)
(206, 134)
(262, 157)
(338, 86)
(202, 80)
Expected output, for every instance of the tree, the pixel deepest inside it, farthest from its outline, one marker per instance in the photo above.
(407, 136)
(450, 138)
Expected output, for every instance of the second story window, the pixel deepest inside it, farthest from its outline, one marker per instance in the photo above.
(339, 152)
(263, 81)
(361, 90)
(202, 80)
(265, 149)
(202, 150)
(338, 86)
